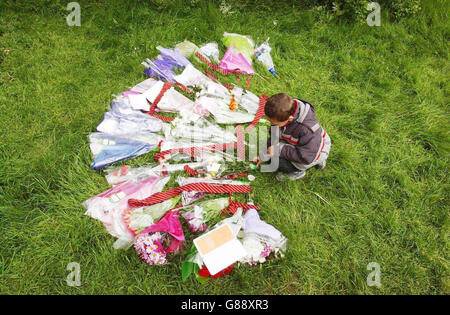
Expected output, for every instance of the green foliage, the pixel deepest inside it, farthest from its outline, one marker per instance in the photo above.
(183, 5)
(405, 8)
(356, 10)
(188, 267)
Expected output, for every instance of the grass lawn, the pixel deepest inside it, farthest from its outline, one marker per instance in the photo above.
(380, 92)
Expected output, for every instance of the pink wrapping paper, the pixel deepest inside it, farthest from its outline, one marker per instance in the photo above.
(169, 223)
(234, 61)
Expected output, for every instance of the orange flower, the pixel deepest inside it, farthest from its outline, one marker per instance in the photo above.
(233, 103)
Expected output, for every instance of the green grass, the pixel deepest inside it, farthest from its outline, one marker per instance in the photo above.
(380, 92)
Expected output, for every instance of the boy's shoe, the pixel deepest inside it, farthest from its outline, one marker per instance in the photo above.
(291, 176)
(322, 165)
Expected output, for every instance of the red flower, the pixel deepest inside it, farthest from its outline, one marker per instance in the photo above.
(204, 272)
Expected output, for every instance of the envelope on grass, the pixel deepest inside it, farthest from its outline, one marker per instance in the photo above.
(219, 248)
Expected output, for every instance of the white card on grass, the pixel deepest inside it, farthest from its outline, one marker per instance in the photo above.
(219, 248)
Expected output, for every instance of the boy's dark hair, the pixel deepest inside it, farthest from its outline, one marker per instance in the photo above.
(279, 106)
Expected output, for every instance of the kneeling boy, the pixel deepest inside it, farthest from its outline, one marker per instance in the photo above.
(303, 144)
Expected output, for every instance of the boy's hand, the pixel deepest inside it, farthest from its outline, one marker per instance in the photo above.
(258, 160)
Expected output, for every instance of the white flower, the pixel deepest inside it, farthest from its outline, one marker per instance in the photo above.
(225, 9)
(198, 212)
(148, 241)
(254, 249)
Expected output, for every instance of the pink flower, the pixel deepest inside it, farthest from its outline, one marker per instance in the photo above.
(149, 248)
(189, 216)
(195, 224)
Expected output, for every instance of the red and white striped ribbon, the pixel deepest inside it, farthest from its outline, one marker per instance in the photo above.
(163, 118)
(240, 143)
(228, 86)
(222, 71)
(183, 87)
(259, 112)
(232, 208)
(240, 133)
(191, 171)
(214, 78)
(210, 64)
(203, 187)
(165, 88)
(211, 76)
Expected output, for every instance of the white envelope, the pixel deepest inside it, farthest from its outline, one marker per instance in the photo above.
(219, 248)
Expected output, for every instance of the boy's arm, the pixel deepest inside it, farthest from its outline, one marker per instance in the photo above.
(285, 150)
(290, 152)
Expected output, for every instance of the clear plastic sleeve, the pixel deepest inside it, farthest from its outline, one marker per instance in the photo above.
(108, 149)
(108, 207)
